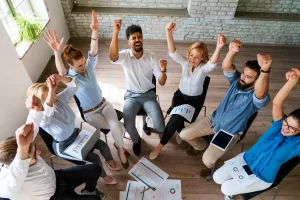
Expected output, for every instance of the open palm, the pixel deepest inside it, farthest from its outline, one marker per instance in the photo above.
(52, 41)
(95, 24)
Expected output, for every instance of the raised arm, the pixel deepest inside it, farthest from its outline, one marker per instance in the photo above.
(163, 76)
(94, 40)
(169, 32)
(292, 77)
(234, 48)
(12, 182)
(114, 48)
(220, 44)
(262, 83)
(56, 46)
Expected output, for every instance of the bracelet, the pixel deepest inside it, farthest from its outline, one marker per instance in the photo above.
(163, 72)
(265, 71)
(94, 38)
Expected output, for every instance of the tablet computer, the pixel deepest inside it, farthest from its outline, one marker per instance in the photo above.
(222, 139)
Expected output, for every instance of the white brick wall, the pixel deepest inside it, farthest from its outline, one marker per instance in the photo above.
(175, 4)
(273, 6)
(206, 20)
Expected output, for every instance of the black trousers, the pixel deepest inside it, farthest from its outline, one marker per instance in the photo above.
(176, 122)
(70, 178)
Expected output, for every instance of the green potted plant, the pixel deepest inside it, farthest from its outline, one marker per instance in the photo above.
(30, 28)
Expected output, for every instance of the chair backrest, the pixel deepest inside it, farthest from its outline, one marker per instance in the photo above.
(205, 87)
(284, 170)
(79, 107)
(154, 83)
(250, 121)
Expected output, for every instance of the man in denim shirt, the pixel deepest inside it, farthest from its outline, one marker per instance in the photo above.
(248, 93)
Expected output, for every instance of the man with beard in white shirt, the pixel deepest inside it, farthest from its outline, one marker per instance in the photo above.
(139, 66)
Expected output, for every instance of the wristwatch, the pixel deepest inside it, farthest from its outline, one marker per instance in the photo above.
(265, 71)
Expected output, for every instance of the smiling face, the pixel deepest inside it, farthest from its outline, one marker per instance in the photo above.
(290, 127)
(135, 42)
(195, 58)
(79, 65)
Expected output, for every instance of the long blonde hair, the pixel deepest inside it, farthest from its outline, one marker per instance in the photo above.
(38, 90)
(202, 48)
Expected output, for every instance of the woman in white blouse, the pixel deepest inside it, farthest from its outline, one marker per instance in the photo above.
(195, 66)
(59, 121)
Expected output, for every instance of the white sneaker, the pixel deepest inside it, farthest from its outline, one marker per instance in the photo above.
(178, 139)
(228, 197)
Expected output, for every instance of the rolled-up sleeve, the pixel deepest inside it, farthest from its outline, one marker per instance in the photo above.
(261, 103)
(232, 76)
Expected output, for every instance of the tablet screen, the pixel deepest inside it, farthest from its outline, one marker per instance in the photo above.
(222, 139)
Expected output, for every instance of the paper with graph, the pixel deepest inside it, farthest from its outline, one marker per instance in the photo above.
(185, 110)
(169, 190)
(148, 174)
(82, 145)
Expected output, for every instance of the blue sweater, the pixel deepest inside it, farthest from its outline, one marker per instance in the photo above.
(272, 150)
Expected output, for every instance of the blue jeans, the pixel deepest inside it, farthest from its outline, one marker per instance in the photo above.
(133, 102)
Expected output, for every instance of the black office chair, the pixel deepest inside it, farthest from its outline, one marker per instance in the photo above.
(284, 170)
(143, 113)
(204, 92)
(48, 140)
(105, 131)
(208, 138)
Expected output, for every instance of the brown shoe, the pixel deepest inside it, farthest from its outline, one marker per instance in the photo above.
(205, 173)
(190, 150)
(126, 152)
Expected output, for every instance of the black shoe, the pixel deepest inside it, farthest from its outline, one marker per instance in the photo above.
(96, 192)
(136, 147)
(147, 130)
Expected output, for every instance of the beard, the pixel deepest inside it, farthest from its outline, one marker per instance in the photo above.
(243, 86)
(138, 48)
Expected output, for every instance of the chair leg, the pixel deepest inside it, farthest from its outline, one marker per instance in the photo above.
(276, 192)
(81, 125)
(204, 110)
(211, 174)
(105, 138)
(242, 148)
(51, 160)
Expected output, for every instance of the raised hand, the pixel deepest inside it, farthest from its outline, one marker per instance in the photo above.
(293, 75)
(163, 65)
(117, 25)
(33, 102)
(56, 78)
(170, 27)
(94, 25)
(264, 61)
(24, 136)
(52, 41)
(51, 83)
(221, 41)
(235, 46)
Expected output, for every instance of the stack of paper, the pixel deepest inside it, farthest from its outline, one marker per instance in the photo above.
(151, 184)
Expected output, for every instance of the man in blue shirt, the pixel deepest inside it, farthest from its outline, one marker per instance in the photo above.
(248, 93)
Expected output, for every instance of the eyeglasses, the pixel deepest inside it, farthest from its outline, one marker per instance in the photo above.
(290, 128)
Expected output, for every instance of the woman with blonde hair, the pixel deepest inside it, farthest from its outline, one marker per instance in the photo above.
(98, 112)
(195, 66)
(59, 121)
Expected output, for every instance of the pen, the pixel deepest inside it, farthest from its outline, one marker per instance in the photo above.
(145, 190)
(152, 188)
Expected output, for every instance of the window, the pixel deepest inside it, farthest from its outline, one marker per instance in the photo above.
(9, 9)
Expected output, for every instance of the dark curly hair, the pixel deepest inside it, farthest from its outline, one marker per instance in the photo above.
(133, 29)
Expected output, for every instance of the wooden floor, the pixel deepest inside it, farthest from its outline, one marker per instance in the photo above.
(173, 159)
